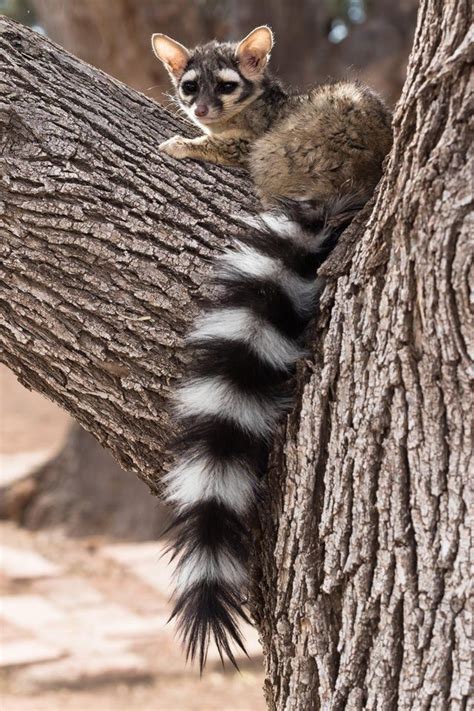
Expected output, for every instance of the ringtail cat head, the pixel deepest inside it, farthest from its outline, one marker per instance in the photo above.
(215, 81)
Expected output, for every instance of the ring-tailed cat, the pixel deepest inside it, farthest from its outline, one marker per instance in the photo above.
(311, 156)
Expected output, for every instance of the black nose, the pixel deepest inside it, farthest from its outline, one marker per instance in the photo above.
(201, 110)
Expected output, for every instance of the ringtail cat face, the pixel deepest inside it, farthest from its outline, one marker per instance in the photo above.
(217, 80)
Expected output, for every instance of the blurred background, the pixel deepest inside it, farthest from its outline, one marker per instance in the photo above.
(85, 591)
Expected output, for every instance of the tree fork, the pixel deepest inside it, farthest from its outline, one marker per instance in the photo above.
(360, 587)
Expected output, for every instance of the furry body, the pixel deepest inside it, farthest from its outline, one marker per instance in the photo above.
(312, 157)
(329, 141)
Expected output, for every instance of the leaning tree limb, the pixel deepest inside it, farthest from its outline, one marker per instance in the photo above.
(360, 593)
(105, 244)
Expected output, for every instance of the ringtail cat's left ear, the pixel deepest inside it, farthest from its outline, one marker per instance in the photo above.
(173, 54)
(253, 52)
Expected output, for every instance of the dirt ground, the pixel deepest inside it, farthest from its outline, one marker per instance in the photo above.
(30, 423)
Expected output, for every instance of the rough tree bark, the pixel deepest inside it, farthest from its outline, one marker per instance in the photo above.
(360, 592)
(94, 30)
(363, 601)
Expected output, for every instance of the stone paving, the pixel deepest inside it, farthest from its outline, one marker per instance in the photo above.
(25, 565)
(82, 627)
(61, 629)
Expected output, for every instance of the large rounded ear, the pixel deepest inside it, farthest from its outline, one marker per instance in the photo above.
(174, 55)
(253, 52)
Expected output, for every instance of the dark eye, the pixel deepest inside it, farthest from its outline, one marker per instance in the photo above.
(189, 87)
(227, 87)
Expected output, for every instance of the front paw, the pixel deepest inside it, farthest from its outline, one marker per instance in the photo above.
(176, 147)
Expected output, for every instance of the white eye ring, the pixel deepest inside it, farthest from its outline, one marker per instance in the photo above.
(228, 74)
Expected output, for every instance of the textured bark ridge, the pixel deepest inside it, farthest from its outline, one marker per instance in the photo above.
(362, 598)
(360, 586)
(105, 244)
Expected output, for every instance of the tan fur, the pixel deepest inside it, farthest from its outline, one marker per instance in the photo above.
(173, 54)
(254, 51)
(222, 150)
(331, 142)
(327, 143)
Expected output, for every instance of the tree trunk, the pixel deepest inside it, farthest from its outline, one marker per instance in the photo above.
(84, 490)
(362, 599)
(360, 591)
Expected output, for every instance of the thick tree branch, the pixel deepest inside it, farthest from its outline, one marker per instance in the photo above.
(105, 244)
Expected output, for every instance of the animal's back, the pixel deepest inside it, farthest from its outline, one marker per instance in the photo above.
(329, 142)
